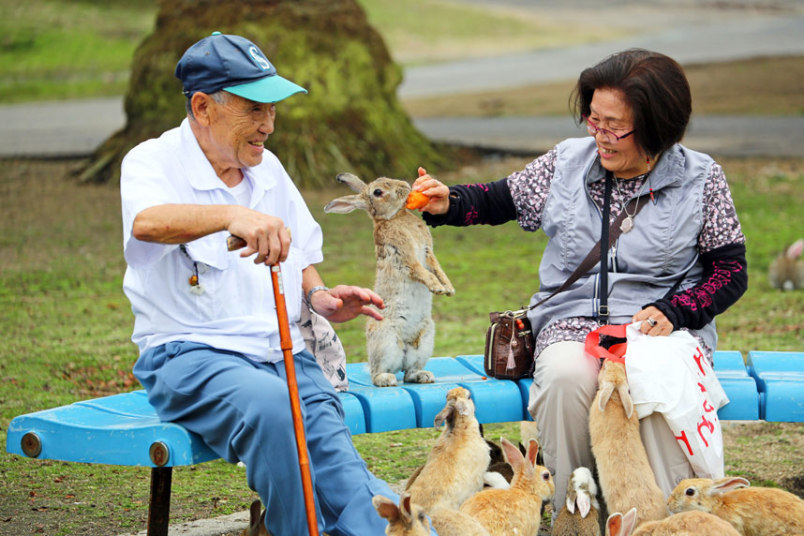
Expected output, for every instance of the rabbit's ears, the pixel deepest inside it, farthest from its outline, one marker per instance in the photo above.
(621, 524)
(390, 511)
(352, 181)
(513, 455)
(346, 204)
(722, 485)
(795, 249)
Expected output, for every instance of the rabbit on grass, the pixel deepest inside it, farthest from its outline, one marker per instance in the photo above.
(580, 514)
(786, 272)
(516, 510)
(626, 477)
(457, 462)
(684, 524)
(753, 511)
(409, 519)
(256, 523)
(407, 276)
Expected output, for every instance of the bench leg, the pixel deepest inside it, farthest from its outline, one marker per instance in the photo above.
(159, 507)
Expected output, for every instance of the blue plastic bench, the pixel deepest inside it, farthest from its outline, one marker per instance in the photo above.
(780, 382)
(124, 429)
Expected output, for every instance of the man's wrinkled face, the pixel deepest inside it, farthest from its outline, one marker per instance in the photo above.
(238, 130)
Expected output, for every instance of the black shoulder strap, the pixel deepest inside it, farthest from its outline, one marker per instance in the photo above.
(608, 235)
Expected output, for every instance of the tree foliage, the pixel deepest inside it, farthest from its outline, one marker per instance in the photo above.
(351, 119)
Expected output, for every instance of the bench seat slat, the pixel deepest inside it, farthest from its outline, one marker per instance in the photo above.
(780, 382)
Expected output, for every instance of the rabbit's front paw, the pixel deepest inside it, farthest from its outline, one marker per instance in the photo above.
(440, 289)
(384, 379)
(419, 376)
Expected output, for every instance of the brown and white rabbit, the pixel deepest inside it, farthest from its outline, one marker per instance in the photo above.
(407, 276)
(786, 272)
(500, 473)
(409, 519)
(457, 462)
(750, 510)
(256, 523)
(580, 515)
(516, 510)
(626, 478)
(683, 524)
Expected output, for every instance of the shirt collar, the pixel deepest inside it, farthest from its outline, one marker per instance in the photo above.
(201, 175)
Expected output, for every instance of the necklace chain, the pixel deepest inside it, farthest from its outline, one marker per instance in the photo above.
(623, 200)
(628, 222)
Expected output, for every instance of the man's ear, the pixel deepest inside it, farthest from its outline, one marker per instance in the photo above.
(201, 103)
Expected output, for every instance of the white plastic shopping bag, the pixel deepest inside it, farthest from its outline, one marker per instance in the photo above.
(670, 375)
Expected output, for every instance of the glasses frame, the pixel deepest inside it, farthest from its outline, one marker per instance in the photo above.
(608, 135)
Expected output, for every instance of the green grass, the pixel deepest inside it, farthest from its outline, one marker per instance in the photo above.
(52, 49)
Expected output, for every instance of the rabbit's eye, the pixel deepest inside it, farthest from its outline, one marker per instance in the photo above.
(689, 492)
(546, 476)
(377, 193)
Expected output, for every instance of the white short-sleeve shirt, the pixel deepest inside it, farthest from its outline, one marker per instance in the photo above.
(232, 306)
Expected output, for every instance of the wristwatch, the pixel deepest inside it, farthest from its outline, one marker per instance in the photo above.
(313, 291)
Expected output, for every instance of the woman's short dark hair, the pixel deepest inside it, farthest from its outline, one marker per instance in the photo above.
(654, 86)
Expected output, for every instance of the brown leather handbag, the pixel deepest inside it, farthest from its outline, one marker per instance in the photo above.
(509, 346)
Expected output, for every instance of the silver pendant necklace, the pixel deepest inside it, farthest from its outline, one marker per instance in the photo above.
(628, 223)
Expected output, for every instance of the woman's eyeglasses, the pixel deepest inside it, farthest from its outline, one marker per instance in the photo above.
(608, 135)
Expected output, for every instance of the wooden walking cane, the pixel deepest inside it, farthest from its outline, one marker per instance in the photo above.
(286, 343)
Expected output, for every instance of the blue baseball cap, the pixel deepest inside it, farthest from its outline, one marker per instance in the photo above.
(234, 64)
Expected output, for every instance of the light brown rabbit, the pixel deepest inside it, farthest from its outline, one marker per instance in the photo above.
(786, 272)
(683, 524)
(626, 478)
(457, 462)
(516, 510)
(409, 519)
(407, 276)
(750, 510)
(580, 515)
(256, 523)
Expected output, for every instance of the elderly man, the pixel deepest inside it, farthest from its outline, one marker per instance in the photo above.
(205, 318)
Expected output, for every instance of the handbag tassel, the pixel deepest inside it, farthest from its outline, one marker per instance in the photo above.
(511, 364)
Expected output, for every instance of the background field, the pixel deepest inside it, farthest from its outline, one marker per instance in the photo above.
(66, 323)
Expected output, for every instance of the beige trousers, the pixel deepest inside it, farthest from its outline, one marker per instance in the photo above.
(564, 386)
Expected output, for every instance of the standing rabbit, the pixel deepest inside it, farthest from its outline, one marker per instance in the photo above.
(684, 524)
(409, 519)
(786, 272)
(516, 510)
(457, 462)
(626, 477)
(750, 510)
(580, 515)
(408, 273)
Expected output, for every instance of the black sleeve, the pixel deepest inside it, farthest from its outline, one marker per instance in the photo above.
(472, 204)
(724, 280)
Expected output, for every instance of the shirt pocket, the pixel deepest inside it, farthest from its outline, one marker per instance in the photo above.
(207, 261)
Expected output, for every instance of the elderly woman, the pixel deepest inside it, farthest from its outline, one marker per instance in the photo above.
(677, 263)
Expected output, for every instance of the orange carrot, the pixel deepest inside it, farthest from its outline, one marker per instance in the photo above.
(416, 199)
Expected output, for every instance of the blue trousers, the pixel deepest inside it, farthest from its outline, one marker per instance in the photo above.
(242, 411)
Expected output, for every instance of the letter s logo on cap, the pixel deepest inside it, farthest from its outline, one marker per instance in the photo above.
(259, 58)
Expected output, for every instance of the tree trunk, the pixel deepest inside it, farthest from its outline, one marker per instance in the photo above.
(350, 121)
